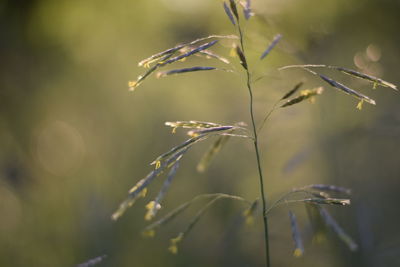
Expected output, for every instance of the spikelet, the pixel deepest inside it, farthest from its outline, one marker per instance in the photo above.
(211, 153)
(298, 242)
(232, 4)
(191, 124)
(229, 13)
(174, 241)
(248, 213)
(247, 12)
(179, 148)
(363, 98)
(330, 188)
(92, 262)
(347, 90)
(328, 201)
(274, 42)
(139, 190)
(241, 56)
(187, 54)
(184, 70)
(173, 248)
(167, 60)
(209, 54)
(319, 228)
(338, 230)
(150, 230)
(199, 132)
(170, 51)
(154, 206)
(305, 94)
(363, 76)
(291, 92)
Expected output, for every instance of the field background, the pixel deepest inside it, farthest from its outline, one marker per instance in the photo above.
(73, 139)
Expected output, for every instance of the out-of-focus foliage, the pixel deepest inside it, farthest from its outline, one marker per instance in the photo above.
(73, 139)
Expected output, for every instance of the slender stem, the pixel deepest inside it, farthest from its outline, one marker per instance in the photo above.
(256, 148)
(268, 115)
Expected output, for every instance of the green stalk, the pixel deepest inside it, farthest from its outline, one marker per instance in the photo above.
(256, 148)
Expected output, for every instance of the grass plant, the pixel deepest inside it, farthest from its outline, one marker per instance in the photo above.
(314, 196)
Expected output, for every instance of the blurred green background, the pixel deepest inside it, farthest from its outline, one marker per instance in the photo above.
(73, 139)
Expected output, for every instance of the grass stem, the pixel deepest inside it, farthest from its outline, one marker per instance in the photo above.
(256, 148)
